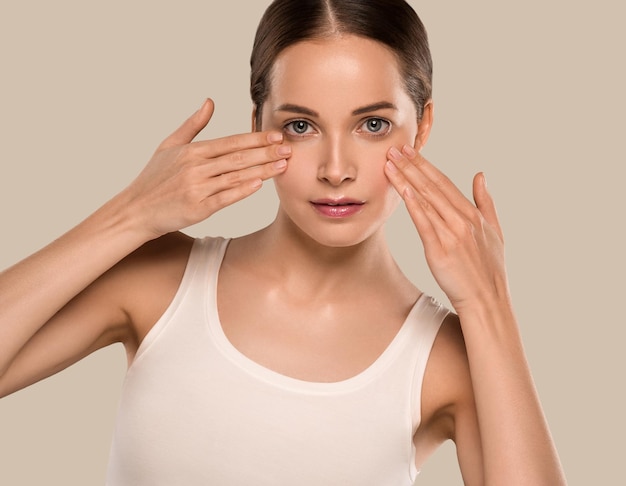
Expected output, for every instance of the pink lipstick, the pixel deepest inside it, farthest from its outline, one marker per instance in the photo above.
(337, 208)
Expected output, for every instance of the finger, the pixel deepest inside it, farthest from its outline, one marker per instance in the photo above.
(232, 187)
(426, 220)
(235, 143)
(244, 159)
(485, 204)
(427, 177)
(191, 127)
(432, 192)
(230, 180)
(227, 197)
(430, 227)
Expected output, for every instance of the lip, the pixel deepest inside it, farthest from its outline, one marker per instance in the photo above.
(337, 208)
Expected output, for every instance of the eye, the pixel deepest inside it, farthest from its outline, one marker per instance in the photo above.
(298, 127)
(376, 126)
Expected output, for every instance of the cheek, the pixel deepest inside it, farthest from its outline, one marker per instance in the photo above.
(372, 170)
(372, 159)
(300, 171)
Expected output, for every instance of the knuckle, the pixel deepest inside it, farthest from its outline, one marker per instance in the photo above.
(463, 231)
(233, 143)
(467, 229)
(231, 178)
(419, 162)
(237, 159)
(427, 187)
(218, 200)
(188, 198)
(424, 204)
(403, 164)
(439, 182)
(197, 151)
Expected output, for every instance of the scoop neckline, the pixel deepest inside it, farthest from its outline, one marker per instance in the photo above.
(263, 373)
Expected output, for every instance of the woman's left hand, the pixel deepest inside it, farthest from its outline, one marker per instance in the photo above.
(463, 242)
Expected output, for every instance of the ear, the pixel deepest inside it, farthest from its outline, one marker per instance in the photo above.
(424, 126)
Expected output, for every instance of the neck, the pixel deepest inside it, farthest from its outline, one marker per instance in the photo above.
(302, 263)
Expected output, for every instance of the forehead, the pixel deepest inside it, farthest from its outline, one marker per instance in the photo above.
(347, 71)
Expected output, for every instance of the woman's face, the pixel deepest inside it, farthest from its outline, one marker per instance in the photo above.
(341, 105)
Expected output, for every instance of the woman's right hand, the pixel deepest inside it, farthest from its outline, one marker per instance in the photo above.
(58, 305)
(185, 182)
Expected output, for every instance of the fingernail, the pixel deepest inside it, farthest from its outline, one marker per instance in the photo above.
(275, 137)
(409, 151)
(395, 153)
(409, 193)
(280, 164)
(392, 167)
(284, 150)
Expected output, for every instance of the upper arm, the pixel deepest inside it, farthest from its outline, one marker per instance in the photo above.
(117, 307)
(91, 320)
(448, 406)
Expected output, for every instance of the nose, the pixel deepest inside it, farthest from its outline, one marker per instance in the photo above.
(336, 165)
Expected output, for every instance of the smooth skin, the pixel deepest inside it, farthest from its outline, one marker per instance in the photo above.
(313, 283)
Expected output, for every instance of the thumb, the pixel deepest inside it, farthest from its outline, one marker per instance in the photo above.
(485, 204)
(190, 127)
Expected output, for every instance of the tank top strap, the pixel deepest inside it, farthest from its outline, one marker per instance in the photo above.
(427, 317)
(206, 255)
(202, 265)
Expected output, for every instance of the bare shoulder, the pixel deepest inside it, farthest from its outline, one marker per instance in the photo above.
(147, 281)
(447, 392)
(448, 404)
(120, 306)
(167, 250)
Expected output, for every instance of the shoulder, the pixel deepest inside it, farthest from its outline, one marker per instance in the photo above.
(147, 280)
(165, 247)
(164, 257)
(448, 404)
(447, 389)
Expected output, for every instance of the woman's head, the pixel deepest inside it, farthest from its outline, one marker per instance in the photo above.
(391, 22)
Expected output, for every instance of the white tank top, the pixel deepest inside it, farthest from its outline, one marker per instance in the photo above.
(196, 411)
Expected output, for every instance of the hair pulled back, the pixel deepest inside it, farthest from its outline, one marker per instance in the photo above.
(392, 22)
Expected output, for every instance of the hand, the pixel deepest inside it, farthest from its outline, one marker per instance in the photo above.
(185, 182)
(463, 242)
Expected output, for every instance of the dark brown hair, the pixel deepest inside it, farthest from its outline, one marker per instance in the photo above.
(392, 22)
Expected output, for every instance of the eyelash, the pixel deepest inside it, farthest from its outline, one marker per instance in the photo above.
(288, 127)
(291, 132)
(382, 132)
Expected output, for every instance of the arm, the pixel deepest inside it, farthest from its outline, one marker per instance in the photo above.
(182, 184)
(464, 249)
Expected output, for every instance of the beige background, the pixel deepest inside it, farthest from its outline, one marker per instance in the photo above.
(530, 92)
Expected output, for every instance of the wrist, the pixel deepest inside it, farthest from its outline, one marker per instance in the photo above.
(489, 317)
(119, 223)
(125, 215)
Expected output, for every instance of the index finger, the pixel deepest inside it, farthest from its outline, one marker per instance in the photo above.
(236, 143)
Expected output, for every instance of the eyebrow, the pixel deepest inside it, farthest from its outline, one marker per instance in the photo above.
(292, 108)
(381, 105)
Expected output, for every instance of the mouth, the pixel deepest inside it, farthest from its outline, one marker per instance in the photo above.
(338, 208)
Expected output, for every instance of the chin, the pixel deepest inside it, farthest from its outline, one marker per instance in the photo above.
(338, 236)
(328, 233)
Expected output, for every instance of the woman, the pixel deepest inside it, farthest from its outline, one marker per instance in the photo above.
(311, 359)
